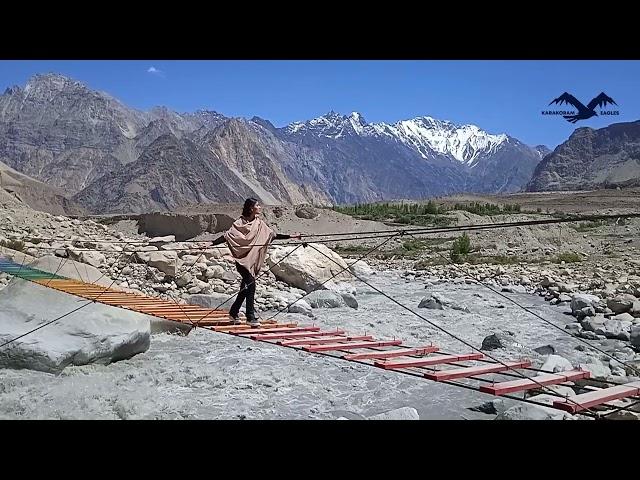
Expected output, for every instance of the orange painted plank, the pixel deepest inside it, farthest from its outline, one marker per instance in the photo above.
(230, 328)
(177, 310)
(136, 302)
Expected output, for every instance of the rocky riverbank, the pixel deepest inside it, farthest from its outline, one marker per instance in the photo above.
(595, 299)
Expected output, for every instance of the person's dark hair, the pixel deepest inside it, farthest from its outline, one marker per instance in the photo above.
(249, 203)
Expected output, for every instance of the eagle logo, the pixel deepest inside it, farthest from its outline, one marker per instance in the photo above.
(583, 112)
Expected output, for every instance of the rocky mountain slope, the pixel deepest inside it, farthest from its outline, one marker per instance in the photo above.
(589, 159)
(113, 158)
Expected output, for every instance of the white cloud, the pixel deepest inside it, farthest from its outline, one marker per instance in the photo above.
(155, 71)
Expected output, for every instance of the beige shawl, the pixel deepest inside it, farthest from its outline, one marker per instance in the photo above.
(242, 238)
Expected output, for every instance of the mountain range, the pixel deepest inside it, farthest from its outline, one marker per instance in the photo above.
(110, 158)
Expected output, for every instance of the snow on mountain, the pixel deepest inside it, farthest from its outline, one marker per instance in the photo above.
(426, 135)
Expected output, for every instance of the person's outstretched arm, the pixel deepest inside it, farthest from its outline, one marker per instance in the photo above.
(218, 240)
(284, 236)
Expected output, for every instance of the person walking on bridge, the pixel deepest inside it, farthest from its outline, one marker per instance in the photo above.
(248, 240)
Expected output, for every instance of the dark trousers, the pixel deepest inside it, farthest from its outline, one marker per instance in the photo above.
(248, 291)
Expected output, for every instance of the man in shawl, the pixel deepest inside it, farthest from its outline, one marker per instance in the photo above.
(248, 239)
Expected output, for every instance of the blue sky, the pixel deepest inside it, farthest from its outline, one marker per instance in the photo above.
(498, 96)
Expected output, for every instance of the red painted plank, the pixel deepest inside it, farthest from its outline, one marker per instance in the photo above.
(422, 362)
(503, 388)
(276, 336)
(471, 371)
(231, 328)
(350, 346)
(318, 341)
(392, 353)
(577, 403)
(276, 330)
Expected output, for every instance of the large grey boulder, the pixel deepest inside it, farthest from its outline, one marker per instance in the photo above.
(325, 299)
(621, 303)
(527, 411)
(556, 363)
(583, 300)
(167, 262)
(222, 301)
(360, 268)
(96, 333)
(307, 268)
(301, 306)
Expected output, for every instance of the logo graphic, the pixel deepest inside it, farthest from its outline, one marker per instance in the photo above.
(583, 112)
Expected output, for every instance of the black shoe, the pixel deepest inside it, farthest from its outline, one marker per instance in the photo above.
(234, 320)
(253, 322)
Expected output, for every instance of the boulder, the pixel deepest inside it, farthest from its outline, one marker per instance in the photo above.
(214, 271)
(545, 350)
(301, 306)
(361, 268)
(404, 413)
(212, 300)
(588, 335)
(592, 324)
(621, 303)
(585, 312)
(497, 340)
(527, 411)
(623, 317)
(556, 363)
(95, 259)
(574, 328)
(229, 276)
(349, 300)
(582, 300)
(431, 303)
(184, 279)
(325, 299)
(306, 211)
(598, 370)
(96, 333)
(306, 268)
(167, 262)
(616, 329)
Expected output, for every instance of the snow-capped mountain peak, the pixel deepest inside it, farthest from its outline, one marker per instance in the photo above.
(463, 142)
(331, 125)
(428, 136)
